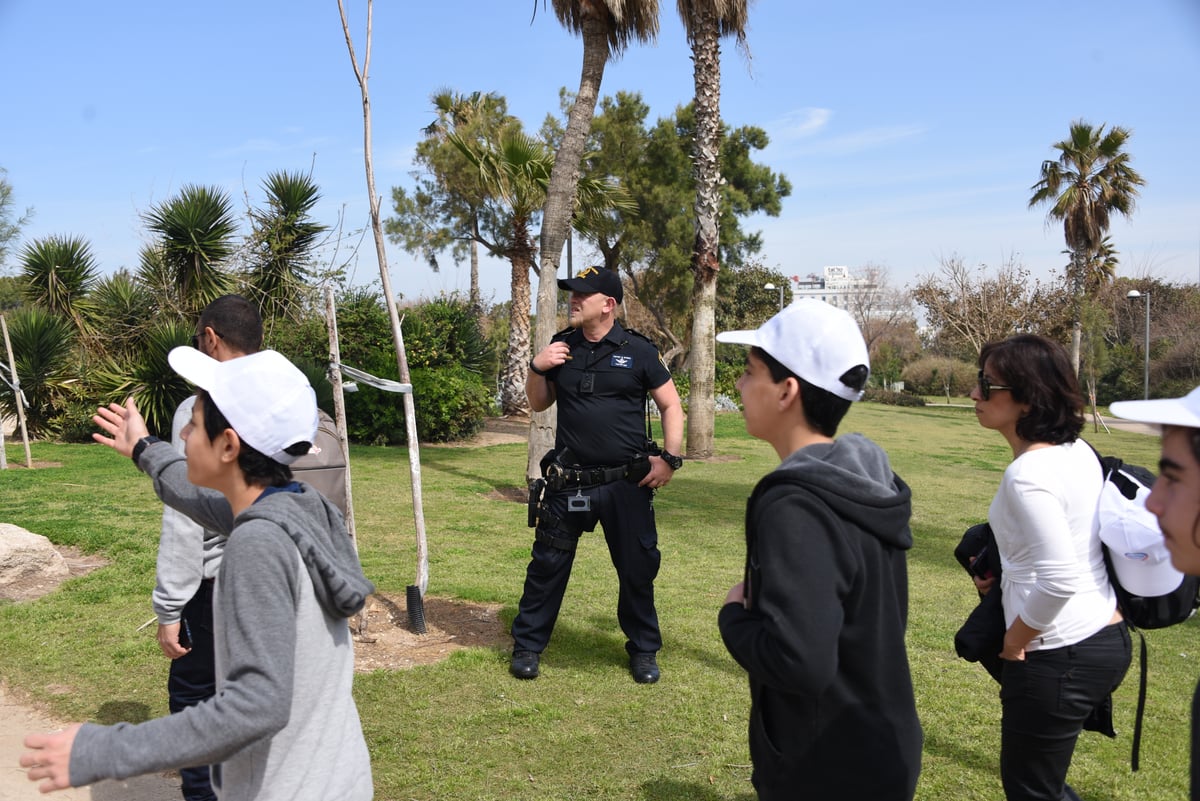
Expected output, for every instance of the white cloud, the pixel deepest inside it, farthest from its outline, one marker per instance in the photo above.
(860, 141)
(802, 123)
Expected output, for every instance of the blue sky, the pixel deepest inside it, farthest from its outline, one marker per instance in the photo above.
(910, 132)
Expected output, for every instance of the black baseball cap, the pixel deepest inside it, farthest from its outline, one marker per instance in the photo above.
(595, 279)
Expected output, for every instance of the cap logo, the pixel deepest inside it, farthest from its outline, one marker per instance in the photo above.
(587, 272)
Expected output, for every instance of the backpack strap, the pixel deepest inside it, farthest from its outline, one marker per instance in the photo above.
(1134, 762)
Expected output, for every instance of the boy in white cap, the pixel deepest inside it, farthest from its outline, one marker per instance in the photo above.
(283, 724)
(818, 621)
(1175, 500)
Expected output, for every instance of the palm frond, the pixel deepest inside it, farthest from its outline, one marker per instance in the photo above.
(624, 21)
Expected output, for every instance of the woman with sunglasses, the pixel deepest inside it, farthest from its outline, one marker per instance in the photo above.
(1066, 647)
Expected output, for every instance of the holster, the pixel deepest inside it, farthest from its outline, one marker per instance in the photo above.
(536, 488)
(639, 468)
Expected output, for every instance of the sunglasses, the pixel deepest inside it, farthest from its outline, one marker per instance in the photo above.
(986, 387)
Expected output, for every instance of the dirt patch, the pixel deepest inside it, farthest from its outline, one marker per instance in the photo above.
(390, 641)
(495, 431)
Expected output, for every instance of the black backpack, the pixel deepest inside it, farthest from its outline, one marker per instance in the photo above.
(1123, 484)
(1123, 499)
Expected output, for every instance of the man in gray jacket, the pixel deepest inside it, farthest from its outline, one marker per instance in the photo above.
(283, 723)
(189, 554)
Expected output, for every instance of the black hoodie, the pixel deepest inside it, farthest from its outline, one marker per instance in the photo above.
(821, 634)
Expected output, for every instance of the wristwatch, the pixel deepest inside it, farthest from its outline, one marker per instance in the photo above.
(673, 461)
(141, 445)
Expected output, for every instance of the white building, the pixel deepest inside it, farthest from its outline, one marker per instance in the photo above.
(836, 288)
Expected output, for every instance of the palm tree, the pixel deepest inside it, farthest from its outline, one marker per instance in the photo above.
(443, 211)
(59, 272)
(283, 240)
(705, 22)
(195, 231)
(606, 27)
(514, 170)
(1091, 179)
(1102, 267)
(455, 114)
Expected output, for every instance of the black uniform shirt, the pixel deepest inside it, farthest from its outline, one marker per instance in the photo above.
(601, 395)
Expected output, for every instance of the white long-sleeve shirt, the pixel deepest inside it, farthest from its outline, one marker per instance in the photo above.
(187, 553)
(1044, 519)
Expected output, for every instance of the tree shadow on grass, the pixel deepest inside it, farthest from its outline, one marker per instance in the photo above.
(111, 712)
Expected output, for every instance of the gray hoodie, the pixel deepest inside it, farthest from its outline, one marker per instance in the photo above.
(283, 724)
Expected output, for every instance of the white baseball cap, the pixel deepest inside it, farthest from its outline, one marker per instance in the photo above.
(1183, 411)
(1135, 542)
(816, 341)
(265, 398)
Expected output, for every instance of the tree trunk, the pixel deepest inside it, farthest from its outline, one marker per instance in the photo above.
(513, 402)
(1077, 263)
(410, 413)
(476, 303)
(706, 57)
(556, 219)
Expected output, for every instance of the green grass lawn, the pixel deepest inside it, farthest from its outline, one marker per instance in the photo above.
(464, 729)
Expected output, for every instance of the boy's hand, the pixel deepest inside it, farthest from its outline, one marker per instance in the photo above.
(125, 424)
(49, 758)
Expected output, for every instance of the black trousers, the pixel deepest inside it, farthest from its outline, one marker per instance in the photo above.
(626, 513)
(193, 678)
(1046, 699)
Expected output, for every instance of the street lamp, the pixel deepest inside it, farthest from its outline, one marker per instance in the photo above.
(1134, 295)
(780, 288)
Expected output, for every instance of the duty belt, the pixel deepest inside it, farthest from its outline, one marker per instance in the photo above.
(559, 476)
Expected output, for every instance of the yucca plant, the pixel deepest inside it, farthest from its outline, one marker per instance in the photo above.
(43, 346)
(122, 309)
(196, 237)
(282, 244)
(59, 273)
(147, 376)
(445, 331)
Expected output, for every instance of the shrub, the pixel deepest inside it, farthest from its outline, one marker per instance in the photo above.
(451, 404)
(724, 383)
(449, 361)
(890, 398)
(937, 375)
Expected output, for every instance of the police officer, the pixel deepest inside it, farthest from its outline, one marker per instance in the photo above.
(601, 469)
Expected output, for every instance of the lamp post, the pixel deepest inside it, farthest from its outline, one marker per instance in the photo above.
(769, 286)
(1145, 296)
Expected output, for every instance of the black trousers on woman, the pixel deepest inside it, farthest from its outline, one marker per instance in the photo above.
(1046, 699)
